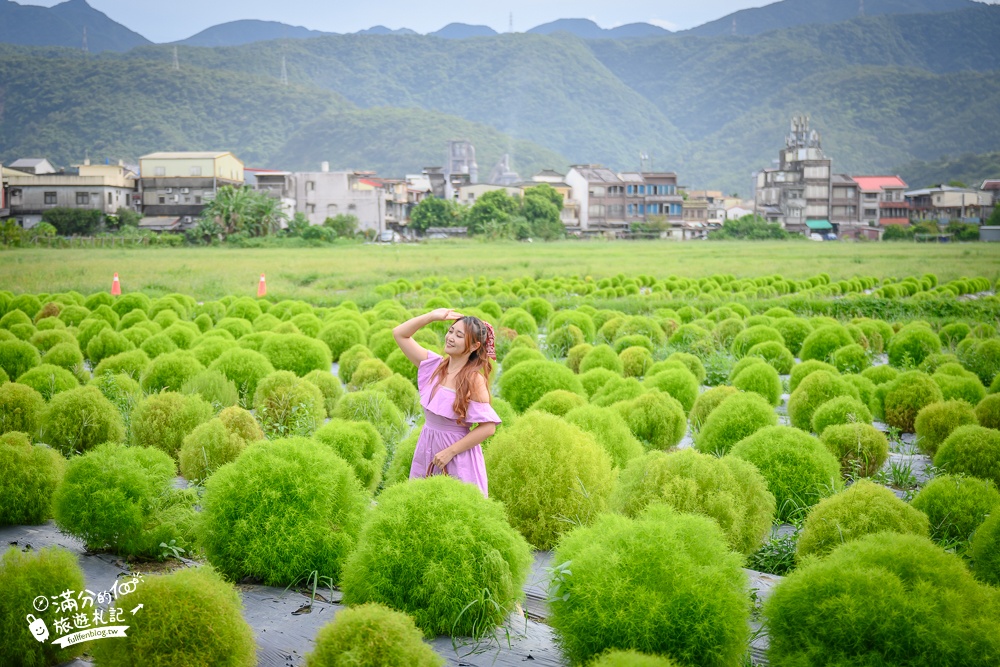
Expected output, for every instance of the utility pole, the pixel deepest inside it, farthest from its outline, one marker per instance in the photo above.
(861, 7)
(284, 72)
(510, 27)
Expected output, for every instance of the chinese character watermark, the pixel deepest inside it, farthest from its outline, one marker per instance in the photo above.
(73, 624)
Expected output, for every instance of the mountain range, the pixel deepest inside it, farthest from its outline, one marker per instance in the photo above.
(886, 90)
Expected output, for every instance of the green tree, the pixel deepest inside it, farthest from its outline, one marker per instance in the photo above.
(343, 225)
(434, 212)
(73, 221)
(244, 210)
(298, 225)
(123, 217)
(542, 214)
(897, 233)
(495, 207)
(10, 232)
(749, 227)
(962, 231)
(994, 219)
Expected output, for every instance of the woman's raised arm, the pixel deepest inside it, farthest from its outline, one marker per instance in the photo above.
(405, 331)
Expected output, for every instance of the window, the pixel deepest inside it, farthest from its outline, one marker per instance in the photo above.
(82, 198)
(197, 199)
(162, 199)
(598, 191)
(642, 189)
(195, 171)
(596, 210)
(871, 196)
(50, 198)
(160, 171)
(310, 208)
(630, 190)
(109, 199)
(310, 186)
(631, 208)
(616, 211)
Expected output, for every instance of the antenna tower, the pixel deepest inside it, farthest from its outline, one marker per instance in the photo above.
(510, 26)
(284, 72)
(861, 7)
(177, 63)
(85, 49)
(734, 25)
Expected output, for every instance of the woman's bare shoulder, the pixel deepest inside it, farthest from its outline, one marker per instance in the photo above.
(480, 392)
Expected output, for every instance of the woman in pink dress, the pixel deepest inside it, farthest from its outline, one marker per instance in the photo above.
(454, 392)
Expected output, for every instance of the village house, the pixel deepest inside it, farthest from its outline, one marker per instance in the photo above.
(944, 203)
(175, 187)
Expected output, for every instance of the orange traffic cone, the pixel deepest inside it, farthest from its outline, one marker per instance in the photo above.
(116, 288)
(261, 287)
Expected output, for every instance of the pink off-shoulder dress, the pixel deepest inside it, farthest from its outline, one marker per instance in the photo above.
(441, 429)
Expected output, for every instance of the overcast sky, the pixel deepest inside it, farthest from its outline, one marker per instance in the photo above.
(178, 19)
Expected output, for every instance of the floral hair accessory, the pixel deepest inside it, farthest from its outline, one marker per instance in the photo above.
(490, 343)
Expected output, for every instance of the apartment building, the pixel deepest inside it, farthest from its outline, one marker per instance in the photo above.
(325, 194)
(175, 187)
(796, 193)
(945, 203)
(612, 202)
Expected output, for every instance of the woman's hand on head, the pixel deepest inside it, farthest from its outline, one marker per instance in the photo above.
(445, 315)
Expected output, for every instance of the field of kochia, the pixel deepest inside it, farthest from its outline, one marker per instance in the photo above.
(672, 414)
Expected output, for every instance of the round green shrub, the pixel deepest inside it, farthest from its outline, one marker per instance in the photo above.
(527, 382)
(880, 374)
(679, 383)
(794, 331)
(602, 356)
(985, 550)
(558, 402)
(368, 372)
(169, 371)
(708, 401)
(401, 392)
(25, 575)
(735, 418)
(761, 379)
(775, 354)
(457, 566)
(297, 353)
(912, 345)
(156, 345)
(576, 355)
(861, 448)
(655, 418)
(965, 387)
(816, 389)
(634, 340)
(17, 357)
(78, 419)
(632, 586)
(214, 387)
(130, 363)
(107, 343)
(401, 459)
(537, 468)
(840, 410)
(936, 421)
(752, 336)
(382, 342)
(360, 445)
(635, 361)
(982, 357)
(519, 355)
(209, 348)
(330, 387)
(631, 659)
(905, 396)
(46, 340)
(692, 363)
(851, 359)
(824, 341)
(29, 474)
(558, 342)
(863, 509)
(64, 355)
(726, 489)
(49, 380)
(988, 411)
(400, 365)
(350, 359)
(799, 469)
(971, 450)
(122, 499)
(371, 635)
(596, 378)
(374, 407)
(194, 618)
(29, 304)
(609, 429)
(163, 420)
(956, 506)
(15, 316)
(539, 308)
(287, 405)
(217, 442)
(245, 368)
(237, 326)
(307, 519)
(520, 321)
(886, 599)
(801, 371)
(577, 318)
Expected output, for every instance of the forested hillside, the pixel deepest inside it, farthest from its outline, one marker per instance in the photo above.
(883, 92)
(969, 168)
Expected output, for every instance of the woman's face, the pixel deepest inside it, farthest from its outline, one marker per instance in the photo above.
(455, 341)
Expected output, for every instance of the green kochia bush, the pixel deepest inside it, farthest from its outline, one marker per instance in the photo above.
(530, 380)
(655, 418)
(49, 380)
(824, 341)
(17, 357)
(78, 419)
(610, 430)
(283, 509)
(664, 583)
(558, 402)
(799, 469)
(912, 345)
(122, 499)
(735, 418)
(436, 549)
(169, 371)
(374, 407)
(287, 405)
(194, 618)
(25, 575)
(760, 379)
(679, 383)
(601, 356)
(360, 445)
(21, 408)
(905, 396)
(884, 600)
(547, 473)
(216, 442)
(163, 420)
(956, 506)
(816, 389)
(971, 450)
(936, 421)
(727, 489)
(371, 635)
(840, 410)
(865, 508)
(245, 368)
(635, 360)
(29, 474)
(988, 411)
(801, 371)
(861, 448)
(986, 550)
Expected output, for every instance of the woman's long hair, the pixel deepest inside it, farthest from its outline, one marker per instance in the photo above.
(479, 362)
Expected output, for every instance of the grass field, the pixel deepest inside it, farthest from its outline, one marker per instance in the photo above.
(331, 274)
